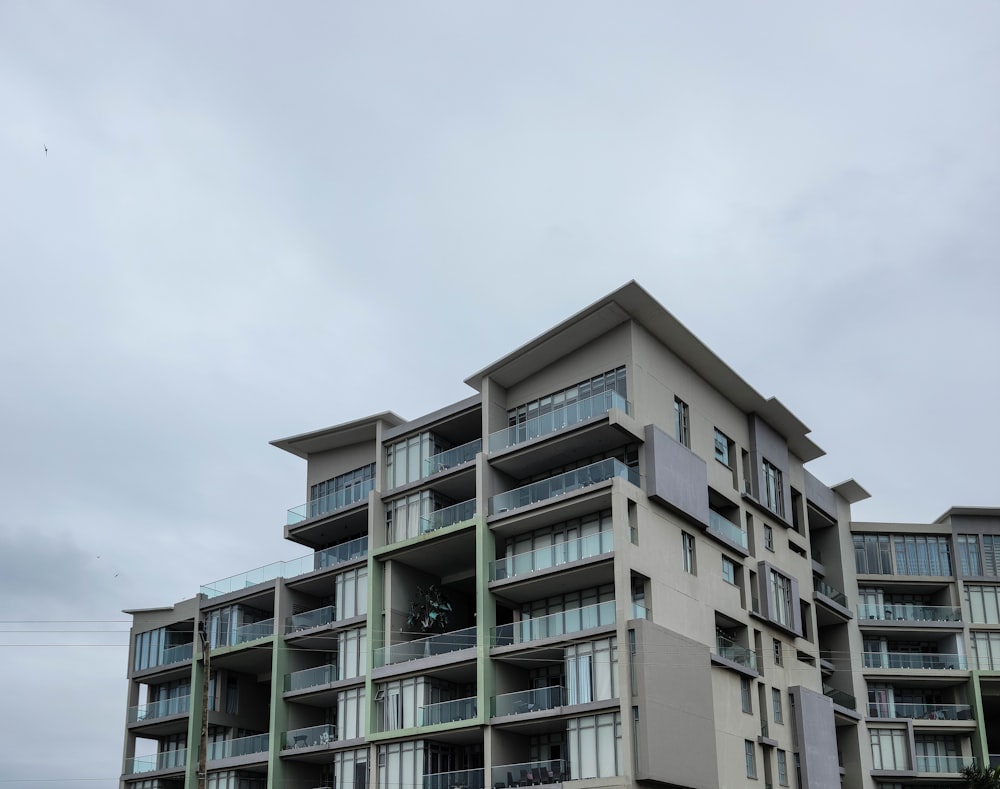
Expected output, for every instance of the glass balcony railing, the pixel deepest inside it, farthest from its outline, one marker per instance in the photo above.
(533, 700)
(909, 612)
(311, 677)
(560, 623)
(440, 644)
(331, 502)
(553, 771)
(253, 631)
(563, 483)
(831, 592)
(177, 654)
(307, 619)
(915, 660)
(920, 711)
(447, 711)
(180, 705)
(736, 653)
(449, 516)
(726, 528)
(557, 419)
(456, 779)
(940, 764)
(310, 736)
(241, 746)
(841, 697)
(994, 759)
(451, 458)
(552, 555)
(165, 760)
(328, 557)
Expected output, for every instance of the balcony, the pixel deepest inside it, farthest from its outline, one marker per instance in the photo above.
(310, 619)
(456, 779)
(330, 503)
(440, 644)
(311, 677)
(562, 483)
(319, 560)
(310, 737)
(523, 701)
(449, 516)
(840, 697)
(176, 654)
(726, 529)
(145, 713)
(522, 564)
(733, 652)
(908, 612)
(940, 764)
(915, 660)
(553, 771)
(254, 631)
(557, 419)
(447, 712)
(241, 746)
(165, 760)
(830, 592)
(450, 458)
(552, 625)
(920, 711)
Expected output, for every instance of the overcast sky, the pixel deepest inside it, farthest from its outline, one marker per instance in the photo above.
(258, 219)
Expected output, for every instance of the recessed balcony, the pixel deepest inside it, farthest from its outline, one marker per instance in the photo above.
(456, 779)
(155, 710)
(311, 677)
(310, 737)
(919, 711)
(562, 484)
(726, 529)
(940, 764)
(307, 620)
(463, 512)
(452, 458)
(840, 697)
(451, 711)
(529, 562)
(830, 592)
(554, 625)
(440, 644)
(735, 653)
(524, 701)
(254, 631)
(912, 661)
(330, 503)
(165, 760)
(540, 773)
(908, 612)
(240, 746)
(556, 420)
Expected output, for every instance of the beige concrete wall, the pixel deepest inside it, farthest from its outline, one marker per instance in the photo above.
(333, 463)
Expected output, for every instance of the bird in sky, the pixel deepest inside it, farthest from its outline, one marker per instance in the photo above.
(46, 147)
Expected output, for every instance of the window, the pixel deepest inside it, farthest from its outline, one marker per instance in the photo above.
(922, 554)
(341, 491)
(774, 494)
(722, 447)
(745, 695)
(687, 552)
(776, 705)
(985, 650)
(968, 554)
(782, 768)
(751, 758)
(983, 603)
(888, 749)
(591, 671)
(728, 570)
(768, 537)
(777, 651)
(594, 743)
(781, 596)
(682, 424)
(872, 554)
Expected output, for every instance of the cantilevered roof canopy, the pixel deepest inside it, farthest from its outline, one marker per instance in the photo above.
(343, 435)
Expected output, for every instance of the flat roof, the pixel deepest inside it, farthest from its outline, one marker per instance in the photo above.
(345, 434)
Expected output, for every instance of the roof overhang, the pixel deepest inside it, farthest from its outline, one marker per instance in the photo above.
(851, 491)
(344, 435)
(974, 512)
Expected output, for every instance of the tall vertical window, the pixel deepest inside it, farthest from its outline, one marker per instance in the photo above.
(921, 554)
(889, 749)
(984, 604)
(405, 461)
(728, 570)
(722, 447)
(782, 768)
(746, 699)
(985, 650)
(776, 705)
(594, 743)
(774, 495)
(872, 554)
(682, 422)
(968, 554)
(777, 652)
(750, 755)
(781, 595)
(768, 537)
(687, 552)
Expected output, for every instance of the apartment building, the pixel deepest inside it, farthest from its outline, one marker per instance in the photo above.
(608, 566)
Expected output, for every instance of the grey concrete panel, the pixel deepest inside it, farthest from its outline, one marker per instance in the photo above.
(816, 732)
(675, 476)
(820, 495)
(676, 743)
(767, 444)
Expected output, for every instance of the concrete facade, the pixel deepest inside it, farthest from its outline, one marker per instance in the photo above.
(639, 583)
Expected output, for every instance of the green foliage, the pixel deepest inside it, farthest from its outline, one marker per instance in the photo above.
(429, 610)
(980, 777)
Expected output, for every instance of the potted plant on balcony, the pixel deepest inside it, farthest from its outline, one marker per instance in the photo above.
(429, 610)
